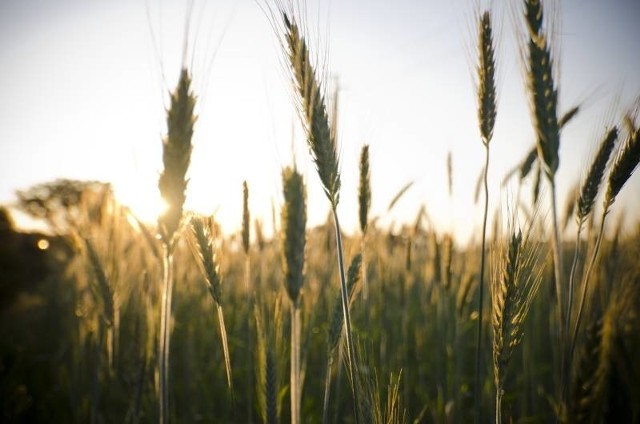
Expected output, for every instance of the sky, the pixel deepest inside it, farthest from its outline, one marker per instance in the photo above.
(84, 84)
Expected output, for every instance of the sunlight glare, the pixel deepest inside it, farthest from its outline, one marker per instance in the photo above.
(146, 205)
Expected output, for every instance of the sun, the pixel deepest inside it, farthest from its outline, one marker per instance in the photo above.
(146, 204)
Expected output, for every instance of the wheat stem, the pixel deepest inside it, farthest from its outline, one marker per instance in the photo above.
(246, 222)
(585, 283)
(347, 317)
(336, 328)
(165, 332)
(294, 219)
(486, 117)
(225, 347)
(327, 391)
(478, 403)
(295, 363)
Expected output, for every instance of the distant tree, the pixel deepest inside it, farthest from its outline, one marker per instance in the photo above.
(64, 203)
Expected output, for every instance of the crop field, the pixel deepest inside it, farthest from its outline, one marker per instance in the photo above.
(108, 318)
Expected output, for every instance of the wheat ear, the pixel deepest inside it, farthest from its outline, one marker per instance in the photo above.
(201, 243)
(293, 221)
(542, 88)
(487, 118)
(364, 204)
(623, 167)
(513, 291)
(313, 111)
(176, 155)
(607, 358)
(544, 100)
(364, 189)
(246, 218)
(588, 193)
(322, 146)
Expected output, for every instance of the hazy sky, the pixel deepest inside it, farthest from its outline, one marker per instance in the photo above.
(83, 87)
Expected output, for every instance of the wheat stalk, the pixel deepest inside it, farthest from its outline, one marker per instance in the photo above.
(622, 168)
(487, 118)
(246, 222)
(201, 243)
(588, 193)
(294, 221)
(176, 155)
(512, 292)
(544, 103)
(323, 149)
(364, 205)
(336, 329)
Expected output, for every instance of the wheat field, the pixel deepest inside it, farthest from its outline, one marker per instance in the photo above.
(107, 318)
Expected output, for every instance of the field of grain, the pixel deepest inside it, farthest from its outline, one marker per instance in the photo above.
(109, 319)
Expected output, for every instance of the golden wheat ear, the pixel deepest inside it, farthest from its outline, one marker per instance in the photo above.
(513, 289)
(623, 167)
(542, 89)
(592, 182)
(201, 244)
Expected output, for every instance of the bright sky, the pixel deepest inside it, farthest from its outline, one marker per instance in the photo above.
(82, 96)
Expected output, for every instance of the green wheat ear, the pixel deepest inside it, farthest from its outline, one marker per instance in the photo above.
(176, 156)
(294, 221)
(313, 111)
(487, 84)
(364, 189)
